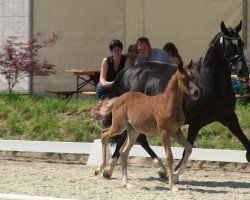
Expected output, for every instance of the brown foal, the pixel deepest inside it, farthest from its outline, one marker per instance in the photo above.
(161, 114)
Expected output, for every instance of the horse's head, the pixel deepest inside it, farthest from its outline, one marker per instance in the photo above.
(232, 46)
(186, 81)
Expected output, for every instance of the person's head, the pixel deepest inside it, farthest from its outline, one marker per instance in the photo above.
(116, 47)
(143, 47)
(132, 51)
(171, 49)
(132, 48)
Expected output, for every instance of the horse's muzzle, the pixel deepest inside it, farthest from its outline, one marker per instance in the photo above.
(242, 69)
(195, 93)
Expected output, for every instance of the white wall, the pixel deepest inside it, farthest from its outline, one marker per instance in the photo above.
(87, 27)
(14, 21)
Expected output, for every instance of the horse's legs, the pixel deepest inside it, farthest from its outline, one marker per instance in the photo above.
(132, 136)
(142, 140)
(169, 159)
(233, 125)
(107, 173)
(193, 131)
(121, 141)
(104, 139)
(179, 138)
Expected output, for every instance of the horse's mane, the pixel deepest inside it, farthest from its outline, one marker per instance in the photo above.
(213, 41)
(230, 30)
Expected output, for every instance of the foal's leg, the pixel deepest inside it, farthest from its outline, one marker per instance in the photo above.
(169, 158)
(107, 173)
(142, 140)
(104, 139)
(193, 131)
(179, 137)
(106, 133)
(132, 136)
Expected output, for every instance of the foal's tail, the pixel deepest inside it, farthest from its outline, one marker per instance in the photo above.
(107, 106)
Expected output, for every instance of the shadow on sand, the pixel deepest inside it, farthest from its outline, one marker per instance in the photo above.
(202, 186)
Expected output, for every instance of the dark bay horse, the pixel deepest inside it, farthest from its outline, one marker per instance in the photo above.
(212, 75)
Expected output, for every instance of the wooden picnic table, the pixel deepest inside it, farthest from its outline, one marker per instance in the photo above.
(84, 77)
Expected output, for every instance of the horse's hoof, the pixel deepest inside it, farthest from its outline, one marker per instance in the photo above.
(130, 186)
(248, 156)
(163, 175)
(106, 174)
(176, 178)
(96, 173)
(174, 189)
(124, 183)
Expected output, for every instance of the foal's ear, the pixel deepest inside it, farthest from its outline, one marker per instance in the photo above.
(180, 66)
(238, 27)
(224, 28)
(190, 64)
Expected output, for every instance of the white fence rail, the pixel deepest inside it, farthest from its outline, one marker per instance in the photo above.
(45, 146)
(94, 149)
(4, 196)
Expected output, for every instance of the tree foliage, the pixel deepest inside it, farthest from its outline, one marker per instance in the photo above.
(20, 59)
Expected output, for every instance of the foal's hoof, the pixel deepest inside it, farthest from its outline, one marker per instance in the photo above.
(248, 156)
(99, 169)
(162, 174)
(96, 173)
(106, 174)
(176, 179)
(174, 189)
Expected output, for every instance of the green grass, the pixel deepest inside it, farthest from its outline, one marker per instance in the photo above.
(42, 118)
(216, 135)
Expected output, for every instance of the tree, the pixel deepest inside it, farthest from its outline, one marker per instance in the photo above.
(19, 59)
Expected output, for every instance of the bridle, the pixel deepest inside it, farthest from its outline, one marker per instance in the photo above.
(234, 59)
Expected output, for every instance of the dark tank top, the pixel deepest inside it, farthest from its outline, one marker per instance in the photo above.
(111, 73)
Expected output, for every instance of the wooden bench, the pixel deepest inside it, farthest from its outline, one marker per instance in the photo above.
(244, 96)
(246, 85)
(89, 93)
(67, 94)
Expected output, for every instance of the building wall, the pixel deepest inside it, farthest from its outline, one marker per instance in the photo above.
(14, 21)
(86, 28)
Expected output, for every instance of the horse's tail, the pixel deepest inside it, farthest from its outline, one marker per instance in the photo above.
(107, 106)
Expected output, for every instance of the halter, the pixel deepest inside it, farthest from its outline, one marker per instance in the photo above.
(239, 56)
(182, 86)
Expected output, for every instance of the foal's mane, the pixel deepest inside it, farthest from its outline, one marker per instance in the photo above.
(172, 82)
